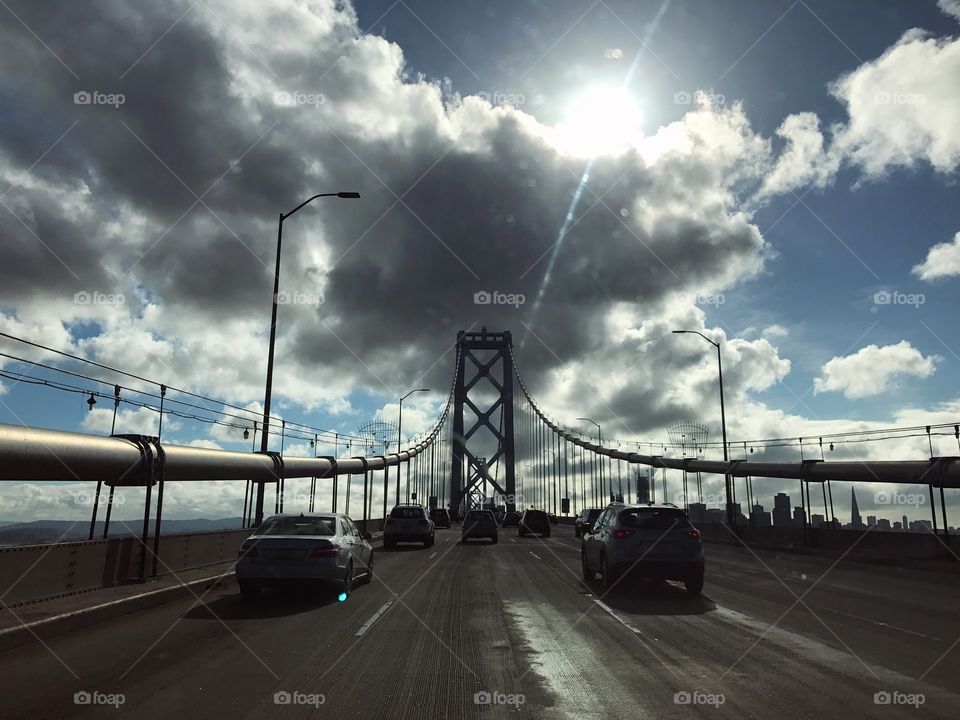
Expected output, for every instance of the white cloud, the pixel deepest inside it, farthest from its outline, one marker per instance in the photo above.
(804, 161)
(774, 331)
(950, 7)
(872, 370)
(943, 260)
(903, 107)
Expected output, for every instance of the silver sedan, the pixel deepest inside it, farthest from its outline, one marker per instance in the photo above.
(323, 548)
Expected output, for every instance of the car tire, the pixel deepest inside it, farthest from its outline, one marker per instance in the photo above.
(588, 574)
(249, 591)
(494, 539)
(694, 584)
(606, 574)
(369, 578)
(389, 543)
(546, 534)
(346, 585)
(429, 541)
(522, 533)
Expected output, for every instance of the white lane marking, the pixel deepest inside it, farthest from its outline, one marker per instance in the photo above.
(433, 555)
(376, 616)
(878, 623)
(513, 539)
(607, 609)
(535, 555)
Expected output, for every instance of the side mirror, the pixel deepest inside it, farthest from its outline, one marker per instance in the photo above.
(368, 536)
(589, 528)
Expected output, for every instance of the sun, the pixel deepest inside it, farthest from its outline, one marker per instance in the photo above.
(602, 120)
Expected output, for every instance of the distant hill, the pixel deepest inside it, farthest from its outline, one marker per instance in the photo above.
(46, 531)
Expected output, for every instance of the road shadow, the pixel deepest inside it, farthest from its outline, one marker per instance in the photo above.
(406, 547)
(650, 597)
(272, 603)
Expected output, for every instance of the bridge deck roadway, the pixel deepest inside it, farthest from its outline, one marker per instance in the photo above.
(439, 625)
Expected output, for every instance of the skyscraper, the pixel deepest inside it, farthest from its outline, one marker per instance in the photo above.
(781, 510)
(856, 522)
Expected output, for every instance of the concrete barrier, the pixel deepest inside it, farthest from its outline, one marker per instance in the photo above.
(871, 545)
(33, 573)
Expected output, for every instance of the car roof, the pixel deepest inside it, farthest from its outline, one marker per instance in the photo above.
(306, 515)
(661, 506)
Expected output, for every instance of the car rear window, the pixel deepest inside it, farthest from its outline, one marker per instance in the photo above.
(536, 515)
(593, 515)
(657, 518)
(406, 513)
(479, 515)
(299, 526)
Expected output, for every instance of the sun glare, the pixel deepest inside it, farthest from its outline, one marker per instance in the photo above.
(602, 120)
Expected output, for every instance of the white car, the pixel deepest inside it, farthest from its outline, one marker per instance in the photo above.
(408, 522)
(325, 548)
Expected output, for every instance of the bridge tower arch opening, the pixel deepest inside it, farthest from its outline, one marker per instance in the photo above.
(483, 453)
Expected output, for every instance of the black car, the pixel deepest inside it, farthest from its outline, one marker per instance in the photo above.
(584, 520)
(536, 522)
(511, 519)
(440, 517)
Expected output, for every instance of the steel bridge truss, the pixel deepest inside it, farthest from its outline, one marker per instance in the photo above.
(474, 371)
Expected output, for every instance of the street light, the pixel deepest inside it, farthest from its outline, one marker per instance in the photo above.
(599, 442)
(273, 337)
(399, 426)
(731, 518)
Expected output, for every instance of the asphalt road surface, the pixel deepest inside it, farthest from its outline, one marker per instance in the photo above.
(511, 629)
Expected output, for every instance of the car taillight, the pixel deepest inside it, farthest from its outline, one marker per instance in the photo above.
(694, 534)
(621, 534)
(250, 551)
(325, 552)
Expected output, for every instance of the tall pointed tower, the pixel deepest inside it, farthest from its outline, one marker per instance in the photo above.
(855, 520)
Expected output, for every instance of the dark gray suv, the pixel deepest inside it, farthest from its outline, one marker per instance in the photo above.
(646, 541)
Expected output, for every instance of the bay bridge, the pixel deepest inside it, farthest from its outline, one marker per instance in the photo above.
(814, 620)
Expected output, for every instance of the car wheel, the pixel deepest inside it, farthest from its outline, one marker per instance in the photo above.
(522, 533)
(694, 584)
(249, 591)
(607, 574)
(429, 541)
(588, 574)
(369, 578)
(546, 534)
(494, 539)
(345, 586)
